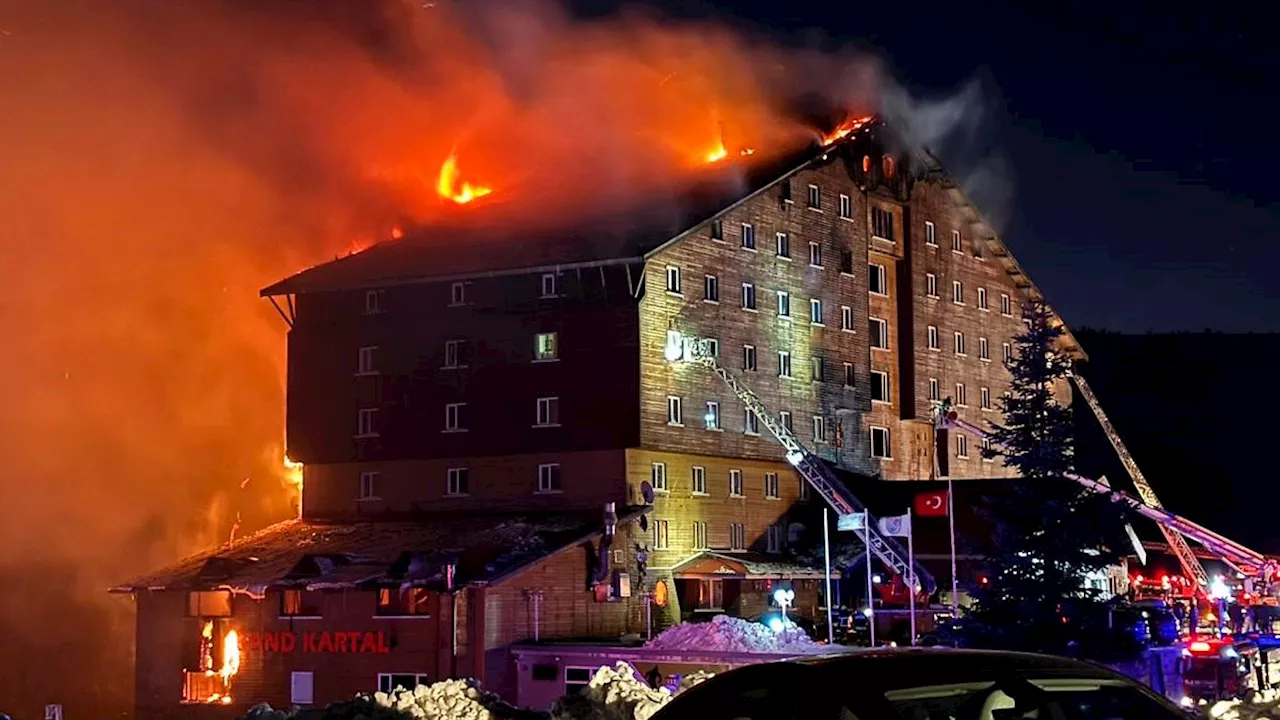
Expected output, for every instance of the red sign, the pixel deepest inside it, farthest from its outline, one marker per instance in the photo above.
(322, 641)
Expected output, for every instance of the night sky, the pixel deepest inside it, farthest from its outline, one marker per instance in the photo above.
(1139, 136)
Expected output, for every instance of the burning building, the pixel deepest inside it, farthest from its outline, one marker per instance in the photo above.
(465, 407)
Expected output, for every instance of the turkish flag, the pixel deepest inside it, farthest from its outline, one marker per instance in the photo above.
(931, 504)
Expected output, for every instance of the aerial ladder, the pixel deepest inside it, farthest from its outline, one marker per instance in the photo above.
(700, 351)
(1175, 529)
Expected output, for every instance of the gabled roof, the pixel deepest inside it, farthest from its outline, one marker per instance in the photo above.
(744, 565)
(300, 553)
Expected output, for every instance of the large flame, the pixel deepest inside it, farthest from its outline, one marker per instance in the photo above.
(230, 658)
(293, 477)
(846, 129)
(448, 186)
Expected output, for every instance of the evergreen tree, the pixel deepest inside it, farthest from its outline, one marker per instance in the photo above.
(1050, 531)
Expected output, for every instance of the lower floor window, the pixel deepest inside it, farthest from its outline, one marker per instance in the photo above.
(576, 679)
(388, 682)
(710, 595)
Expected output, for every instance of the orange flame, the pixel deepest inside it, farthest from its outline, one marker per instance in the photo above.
(449, 187)
(293, 478)
(230, 658)
(846, 128)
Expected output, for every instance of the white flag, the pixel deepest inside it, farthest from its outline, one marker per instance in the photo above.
(896, 525)
(856, 521)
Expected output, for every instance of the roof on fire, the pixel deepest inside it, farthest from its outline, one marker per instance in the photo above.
(316, 555)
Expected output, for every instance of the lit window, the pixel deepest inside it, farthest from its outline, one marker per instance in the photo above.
(454, 417)
(879, 333)
(698, 480)
(846, 207)
(712, 418)
(365, 360)
(659, 475)
(879, 386)
(748, 296)
(735, 483)
(877, 279)
(784, 245)
(771, 487)
(749, 358)
(458, 481)
(368, 489)
(673, 279)
(546, 346)
(549, 478)
(550, 285)
(815, 255)
(930, 234)
(815, 197)
(300, 604)
(955, 241)
(931, 285)
(548, 412)
(933, 338)
(675, 410)
(784, 364)
(784, 304)
(711, 289)
(880, 447)
(367, 423)
(959, 343)
(815, 311)
(458, 294)
(403, 602)
(748, 237)
(846, 318)
(750, 423)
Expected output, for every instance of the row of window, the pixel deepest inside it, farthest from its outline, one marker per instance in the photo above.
(960, 347)
(457, 353)
(961, 396)
(458, 482)
(549, 287)
(749, 300)
(774, 536)
(958, 295)
(822, 431)
(737, 488)
(391, 602)
(931, 238)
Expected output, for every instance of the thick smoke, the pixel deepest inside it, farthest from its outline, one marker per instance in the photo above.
(164, 160)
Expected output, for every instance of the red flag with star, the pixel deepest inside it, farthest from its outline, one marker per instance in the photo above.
(931, 504)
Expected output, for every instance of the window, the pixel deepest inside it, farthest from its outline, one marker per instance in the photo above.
(784, 245)
(387, 682)
(771, 489)
(985, 394)
(880, 447)
(372, 302)
(815, 311)
(986, 450)
(846, 262)
(364, 360)
(784, 418)
(750, 423)
(818, 368)
(699, 535)
(815, 197)
(458, 294)
(454, 417)
(209, 603)
(803, 489)
(930, 234)
(713, 347)
(749, 358)
(710, 595)
(819, 429)
(711, 289)
(784, 364)
(882, 224)
(658, 474)
(367, 423)
(456, 354)
(959, 343)
(735, 483)
(933, 338)
(368, 489)
(546, 346)
(955, 241)
(457, 481)
(300, 604)
(302, 686)
(712, 418)
(550, 285)
(661, 535)
(934, 393)
(548, 412)
(877, 279)
(549, 478)
(717, 230)
(983, 352)
(698, 480)
(748, 237)
(848, 375)
(957, 292)
(879, 386)
(879, 333)
(403, 602)
(815, 255)
(737, 536)
(846, 207)
(673, 279)
(748, 296)
(846, 318)
(962, 395)
(931, 285)
(1008, 352)
(675, 410)
(773, 539)
(982, 298)
(962, 446)
(784, 304)
(784, 190)
(1005, 306)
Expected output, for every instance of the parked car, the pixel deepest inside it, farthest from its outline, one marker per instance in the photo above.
(921, 684)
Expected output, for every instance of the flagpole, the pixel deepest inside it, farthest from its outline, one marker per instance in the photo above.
(871, 602)
(911, 565)
(951, 519)
(826, 542)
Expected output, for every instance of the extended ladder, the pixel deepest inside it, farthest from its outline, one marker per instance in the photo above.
(700, 351)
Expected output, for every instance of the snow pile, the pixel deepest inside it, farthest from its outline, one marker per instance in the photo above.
(1237, 710)
(618, 693)
(730, 634)
(445, 700)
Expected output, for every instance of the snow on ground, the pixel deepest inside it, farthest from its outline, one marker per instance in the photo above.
(618, 693)
(1268, 709)
(730, 634)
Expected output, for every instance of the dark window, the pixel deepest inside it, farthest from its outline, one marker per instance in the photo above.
(879, 386)
(576, 679)
(846, 262)
(815, 197)
(711, 288)
(300, 603)
(390, 681)
(785, 189)
(717, 229)
(710, 595)
(882, 223)
(403, 601)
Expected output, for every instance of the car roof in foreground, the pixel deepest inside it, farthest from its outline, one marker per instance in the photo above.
(911, 665)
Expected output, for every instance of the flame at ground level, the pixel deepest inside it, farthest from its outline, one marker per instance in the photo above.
(448, 186)
(293, 477)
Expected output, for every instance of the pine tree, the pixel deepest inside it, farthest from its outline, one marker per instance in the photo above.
(1050, 531)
